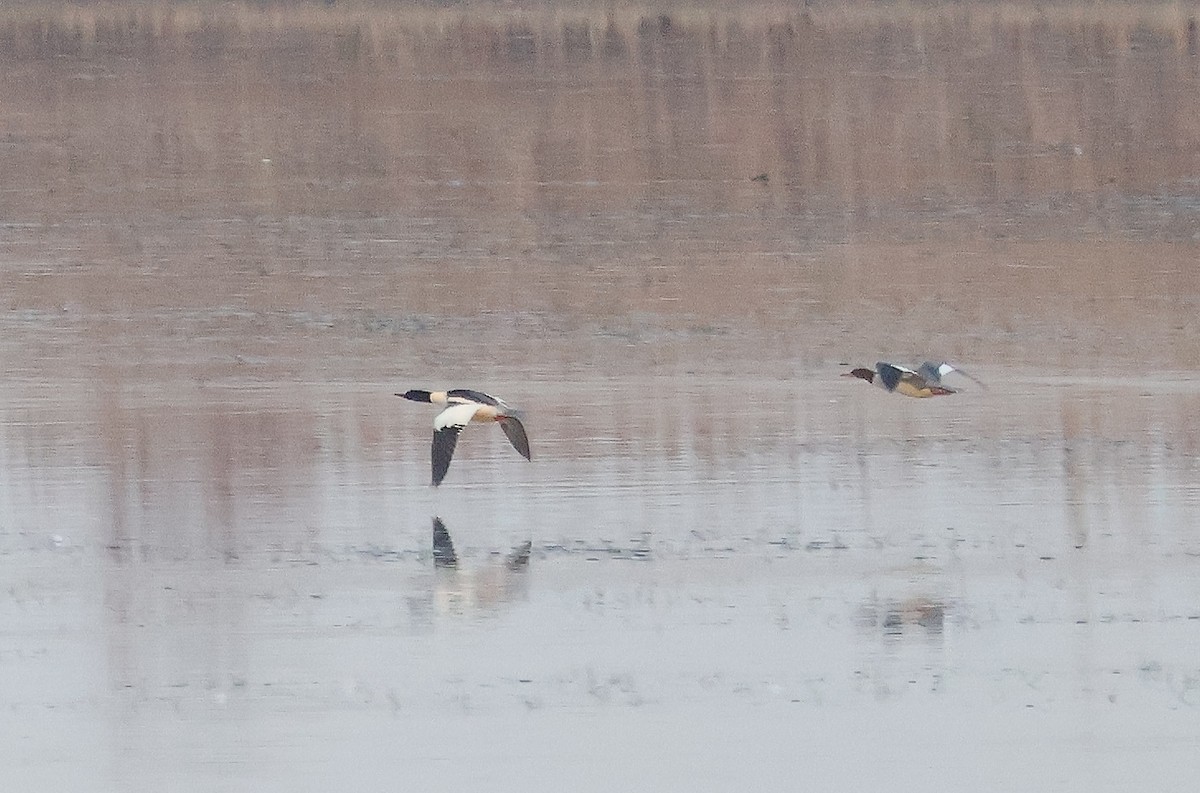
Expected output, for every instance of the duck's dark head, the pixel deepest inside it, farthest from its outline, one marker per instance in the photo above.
(416, 396)
(862, 374)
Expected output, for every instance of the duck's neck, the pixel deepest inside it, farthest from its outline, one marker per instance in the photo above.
(416, 395)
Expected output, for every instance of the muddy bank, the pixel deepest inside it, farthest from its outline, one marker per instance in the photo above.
(1071, 120)
(978, 180)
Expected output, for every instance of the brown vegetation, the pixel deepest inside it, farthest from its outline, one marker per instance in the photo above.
(764, 162)
(564, 31)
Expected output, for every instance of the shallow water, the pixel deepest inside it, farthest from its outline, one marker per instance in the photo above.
(216, 528)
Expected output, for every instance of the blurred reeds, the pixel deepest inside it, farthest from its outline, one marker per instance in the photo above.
(575, 31)
(244, 149)
(1073, 116)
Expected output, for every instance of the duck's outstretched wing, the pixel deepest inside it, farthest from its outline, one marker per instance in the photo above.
(446, 427)
(892, 375)
(444, 441)
(515, 431)
(934, 371)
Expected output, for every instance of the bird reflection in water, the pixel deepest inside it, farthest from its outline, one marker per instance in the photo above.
(898, 617)
(461, 589)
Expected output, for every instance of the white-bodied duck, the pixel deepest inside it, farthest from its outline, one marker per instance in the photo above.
(462, 407)
(924, 381)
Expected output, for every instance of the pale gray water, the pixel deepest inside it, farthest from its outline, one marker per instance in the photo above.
(776, 595)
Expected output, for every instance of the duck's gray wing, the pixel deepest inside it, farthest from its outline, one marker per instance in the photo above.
(934, 372)
(515, 431)
(443, 546)
(474, 396)
(890, 374)
(444, 441)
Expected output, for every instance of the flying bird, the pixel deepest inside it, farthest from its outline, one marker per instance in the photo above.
(924, 381)
(462, 407)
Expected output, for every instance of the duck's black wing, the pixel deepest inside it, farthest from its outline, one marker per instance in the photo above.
(444, 441)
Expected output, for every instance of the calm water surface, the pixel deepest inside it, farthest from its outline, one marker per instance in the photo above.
(743, 571)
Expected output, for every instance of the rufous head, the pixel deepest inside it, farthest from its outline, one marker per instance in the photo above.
(862, 373)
